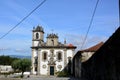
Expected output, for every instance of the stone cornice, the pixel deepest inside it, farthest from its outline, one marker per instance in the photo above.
(37, 31)
(60, 47)
(37, 40)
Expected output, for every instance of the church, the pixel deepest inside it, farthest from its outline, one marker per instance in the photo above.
(50, 56)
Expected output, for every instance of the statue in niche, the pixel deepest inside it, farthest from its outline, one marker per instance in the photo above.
(51, 60)
(52, 42)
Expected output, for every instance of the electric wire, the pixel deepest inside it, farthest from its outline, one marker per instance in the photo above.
(90, 24)
(23, 19)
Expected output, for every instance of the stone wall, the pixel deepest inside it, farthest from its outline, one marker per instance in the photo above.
(105, 63)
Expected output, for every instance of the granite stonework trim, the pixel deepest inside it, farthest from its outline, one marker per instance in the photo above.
(56, 47)
(39, 54)
(32, 58)
(49, 69)
(65, 57)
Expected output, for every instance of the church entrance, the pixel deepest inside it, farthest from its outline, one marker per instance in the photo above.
(51, 70)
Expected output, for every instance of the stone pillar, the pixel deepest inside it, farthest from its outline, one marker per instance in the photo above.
(48, 70)
(38, 69)
(32, 62)
(33, 38)
(65, 57)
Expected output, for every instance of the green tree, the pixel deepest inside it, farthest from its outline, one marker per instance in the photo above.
(16, 65)
(21, 65)
(6, 60)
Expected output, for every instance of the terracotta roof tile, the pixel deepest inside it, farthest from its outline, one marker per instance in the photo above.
(94, 48)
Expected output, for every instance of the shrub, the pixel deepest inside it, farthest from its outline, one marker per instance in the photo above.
(62, 74)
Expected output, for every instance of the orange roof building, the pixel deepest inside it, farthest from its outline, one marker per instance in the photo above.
(83, 56)
(93, 48)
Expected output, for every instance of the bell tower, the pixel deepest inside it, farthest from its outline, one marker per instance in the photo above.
(38, 36)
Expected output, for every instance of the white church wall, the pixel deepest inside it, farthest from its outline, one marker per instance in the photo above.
(60, 66)
(44, 64)
(44, 68)
(59, 63)
(69, 54)
(35, 53)
(35, 43)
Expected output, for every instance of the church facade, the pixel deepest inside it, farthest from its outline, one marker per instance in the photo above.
(50, 56)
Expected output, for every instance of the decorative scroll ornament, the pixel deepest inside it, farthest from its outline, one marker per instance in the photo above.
(51, 60)
(59, 67)
(44, 66)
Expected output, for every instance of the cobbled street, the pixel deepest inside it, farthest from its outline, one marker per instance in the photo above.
(40, 78)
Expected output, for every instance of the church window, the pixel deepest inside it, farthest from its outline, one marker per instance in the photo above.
(36, 61)
(59, 56)
(37, 35)
(44, 56)
(52, 42)
(35, 68)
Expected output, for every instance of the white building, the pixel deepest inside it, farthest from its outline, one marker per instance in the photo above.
(5, 68)
(51, 56)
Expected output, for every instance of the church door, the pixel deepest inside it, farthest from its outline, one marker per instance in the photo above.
(51, 70)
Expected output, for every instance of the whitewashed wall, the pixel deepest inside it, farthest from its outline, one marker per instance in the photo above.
(44, 71)
(86, 55)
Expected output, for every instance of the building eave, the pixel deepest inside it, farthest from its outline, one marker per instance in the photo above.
(56, 47)
(38, 31)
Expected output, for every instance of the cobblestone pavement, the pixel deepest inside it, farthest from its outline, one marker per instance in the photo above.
(50, 78)
(40, 78)
(10, 79)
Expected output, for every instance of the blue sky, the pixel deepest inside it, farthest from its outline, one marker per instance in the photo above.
(68, 18)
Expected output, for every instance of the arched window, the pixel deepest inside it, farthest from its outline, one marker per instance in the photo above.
(59, 56)
(36, 61)
(52, 42)
(44, 56)
(37, 35)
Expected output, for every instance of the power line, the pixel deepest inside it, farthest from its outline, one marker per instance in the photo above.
(90, 24)
(23, 19)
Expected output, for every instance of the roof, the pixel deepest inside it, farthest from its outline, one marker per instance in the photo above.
(52, 35)
(106, 61)
(38, 28)
(70, 45)
(55, 47)
(93, 48)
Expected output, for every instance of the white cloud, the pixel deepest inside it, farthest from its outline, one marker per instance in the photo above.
(4, 49)
(21, 50)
